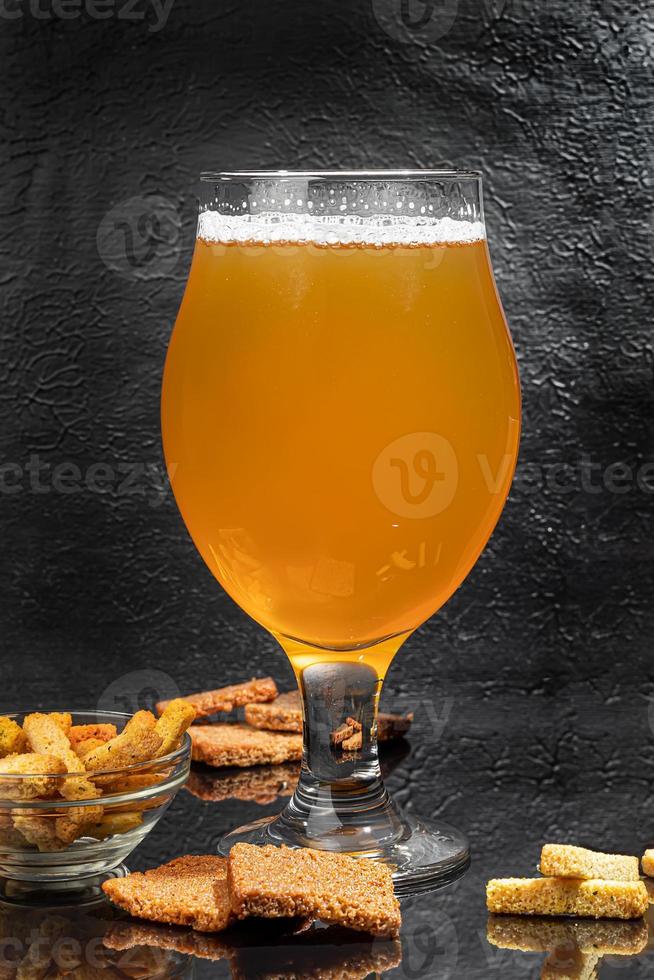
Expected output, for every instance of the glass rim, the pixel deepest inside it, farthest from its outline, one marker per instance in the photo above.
(363, 175)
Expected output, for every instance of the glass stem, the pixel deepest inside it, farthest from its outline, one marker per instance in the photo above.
(341, 802)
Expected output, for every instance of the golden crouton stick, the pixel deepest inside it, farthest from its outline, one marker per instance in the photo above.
(12, 737)
(177, 717)
(36, 776)
(47, 738)
(566, 861)
(138, 742)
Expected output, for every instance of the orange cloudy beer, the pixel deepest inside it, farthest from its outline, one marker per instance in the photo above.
(341, 425)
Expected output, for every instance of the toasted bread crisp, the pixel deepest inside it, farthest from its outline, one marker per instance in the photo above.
(605, 937)
(564, 861)
(648, 864)
(227, 698)
(282, 882)
(36, 776)
(189, 891)
(240, 745)
(594, 899)
(282, 715)
(12, 737)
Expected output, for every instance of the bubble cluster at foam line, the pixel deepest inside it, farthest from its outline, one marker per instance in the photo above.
(377, 229)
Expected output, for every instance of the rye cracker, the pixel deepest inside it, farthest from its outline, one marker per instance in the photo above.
(189, 891)
(284, 882)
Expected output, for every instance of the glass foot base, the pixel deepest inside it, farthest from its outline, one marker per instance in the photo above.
(80, 892)
(425, 856)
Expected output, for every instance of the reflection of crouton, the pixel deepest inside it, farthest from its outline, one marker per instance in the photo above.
(607, 937)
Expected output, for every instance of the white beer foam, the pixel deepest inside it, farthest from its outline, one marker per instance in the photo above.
(383, 229)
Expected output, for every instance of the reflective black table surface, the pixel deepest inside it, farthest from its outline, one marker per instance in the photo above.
(514, 775)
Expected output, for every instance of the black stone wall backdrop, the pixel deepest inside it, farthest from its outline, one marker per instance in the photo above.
(108, 112)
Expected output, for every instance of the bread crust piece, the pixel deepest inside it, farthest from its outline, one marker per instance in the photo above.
(604, 937)
(648, 864)
(593, 899)
(227, 698)
(189, 891)
(276, 882)
(225, 745)
(566, 861)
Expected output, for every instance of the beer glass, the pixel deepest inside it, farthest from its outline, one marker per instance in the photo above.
(341, 419)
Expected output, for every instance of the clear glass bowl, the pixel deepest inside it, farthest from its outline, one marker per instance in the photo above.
(35, 844)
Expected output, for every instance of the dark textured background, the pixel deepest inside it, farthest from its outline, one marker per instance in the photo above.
(535, 679)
